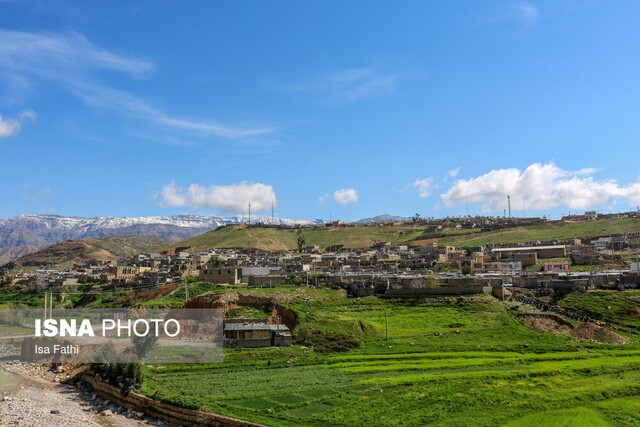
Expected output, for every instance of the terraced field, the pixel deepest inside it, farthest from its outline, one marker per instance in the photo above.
(447, 362)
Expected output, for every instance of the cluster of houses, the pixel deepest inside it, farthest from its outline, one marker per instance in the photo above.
(337, 264)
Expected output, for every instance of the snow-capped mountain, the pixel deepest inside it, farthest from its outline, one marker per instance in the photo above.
(46, 230)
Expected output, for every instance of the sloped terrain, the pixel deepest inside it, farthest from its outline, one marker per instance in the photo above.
(83, 250)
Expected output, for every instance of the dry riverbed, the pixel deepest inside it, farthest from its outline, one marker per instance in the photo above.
(35, 396)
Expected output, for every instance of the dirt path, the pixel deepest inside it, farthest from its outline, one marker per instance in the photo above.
(35, 401)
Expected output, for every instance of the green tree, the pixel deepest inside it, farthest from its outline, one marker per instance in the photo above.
(143, 345)
(301, 242)
(214, 262)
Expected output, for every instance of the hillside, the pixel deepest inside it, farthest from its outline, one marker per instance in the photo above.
(64, 254)
(583, 230)
(45, 230)
(8, 254)
(239, 236)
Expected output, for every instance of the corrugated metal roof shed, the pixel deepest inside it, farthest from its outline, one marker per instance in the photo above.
(254, 327)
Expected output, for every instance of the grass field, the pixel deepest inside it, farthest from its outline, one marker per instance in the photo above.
(273, 239)
(463, 361)
(612, 306)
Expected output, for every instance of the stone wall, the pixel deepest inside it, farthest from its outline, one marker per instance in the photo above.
(163, 411)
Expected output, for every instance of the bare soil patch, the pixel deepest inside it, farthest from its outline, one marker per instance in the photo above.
(634, 313)
(546, 323)
(592, 332)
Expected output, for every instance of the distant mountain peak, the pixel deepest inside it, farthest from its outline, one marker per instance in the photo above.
(42, 230)
(383, 218)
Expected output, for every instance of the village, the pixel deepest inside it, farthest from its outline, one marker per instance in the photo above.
(384, 268)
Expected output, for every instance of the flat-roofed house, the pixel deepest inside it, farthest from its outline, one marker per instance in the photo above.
(256, 334)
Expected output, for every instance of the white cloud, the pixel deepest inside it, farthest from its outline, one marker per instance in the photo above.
(71, 61)
(345, 196)
(453, 172)
(424, 186)
(542, 185)
(53, 53)
(349, 85)
(323, 197)
(12, 126)
(33, 194)
(524, 11)
(232, 198)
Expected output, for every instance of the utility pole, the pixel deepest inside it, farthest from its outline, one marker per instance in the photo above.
(509, 204)
(45, 305)
(249, 213)
(386, 324)
(467, 203)
(50, 304)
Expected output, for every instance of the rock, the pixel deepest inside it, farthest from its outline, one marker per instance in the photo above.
(55, 412)
(106, 413)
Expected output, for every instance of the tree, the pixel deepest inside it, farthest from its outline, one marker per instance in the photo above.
(301, 242)
(431, 282)
(416, 217)
(214, 262)
(143, 345)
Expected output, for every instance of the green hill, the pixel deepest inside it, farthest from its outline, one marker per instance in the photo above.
(240, 236)
(583, 230)
(64, 254)
(273, 239)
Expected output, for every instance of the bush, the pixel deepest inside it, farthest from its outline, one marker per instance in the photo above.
(143, 345)
(119, 370)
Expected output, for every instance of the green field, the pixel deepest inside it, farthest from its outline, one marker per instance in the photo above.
(458, 361)
(612, 306)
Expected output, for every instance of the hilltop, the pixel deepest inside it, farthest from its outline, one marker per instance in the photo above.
(274, 239)
(414, 234)
(64, 254)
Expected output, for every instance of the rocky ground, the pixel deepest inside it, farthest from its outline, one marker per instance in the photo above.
(41, 399)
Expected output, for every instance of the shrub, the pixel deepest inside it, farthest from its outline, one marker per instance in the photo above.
(119, 370)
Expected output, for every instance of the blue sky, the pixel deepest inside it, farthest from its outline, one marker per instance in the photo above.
(348, 109)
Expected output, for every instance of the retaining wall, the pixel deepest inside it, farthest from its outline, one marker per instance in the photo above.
(163, 411)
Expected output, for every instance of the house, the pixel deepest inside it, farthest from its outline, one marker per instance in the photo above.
(256, 334)
(228, 275)
(552, 251)
(562, 266)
